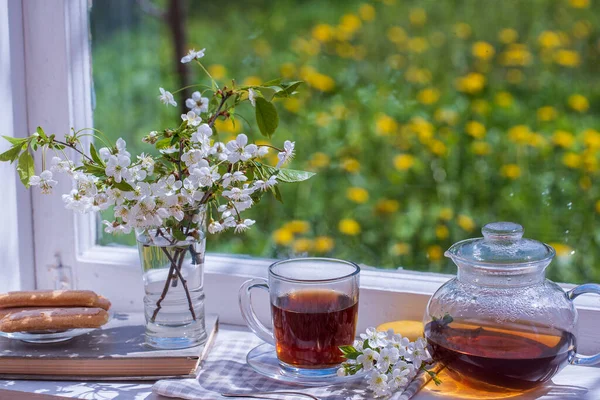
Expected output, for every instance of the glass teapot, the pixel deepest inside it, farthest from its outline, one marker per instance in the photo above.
(500, 321)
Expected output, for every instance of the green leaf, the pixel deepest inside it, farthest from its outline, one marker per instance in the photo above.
(269, 92)
(11, 154)
(177, 234)
(349, 352)
(287, 175)
(15, 141)
(163, 143)
(94, 155)
(266, 117)
(25, 167)
(272, 82)
(124, 186)
(94, 169)
(277, 193)
(41, 132)
(289, 89)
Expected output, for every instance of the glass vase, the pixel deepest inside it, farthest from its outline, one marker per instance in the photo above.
(172, 259)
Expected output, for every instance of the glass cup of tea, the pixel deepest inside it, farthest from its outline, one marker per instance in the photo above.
(314, 309)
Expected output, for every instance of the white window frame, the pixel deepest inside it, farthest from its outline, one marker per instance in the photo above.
(58, 84)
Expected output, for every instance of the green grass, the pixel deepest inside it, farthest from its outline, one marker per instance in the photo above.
(445, 196)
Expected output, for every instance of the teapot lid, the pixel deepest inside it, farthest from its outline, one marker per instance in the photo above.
(502, 243)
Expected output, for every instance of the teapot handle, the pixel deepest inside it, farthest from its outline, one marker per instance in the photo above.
(579, 359)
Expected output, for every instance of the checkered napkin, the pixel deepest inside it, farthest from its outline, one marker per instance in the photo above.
(225, 371)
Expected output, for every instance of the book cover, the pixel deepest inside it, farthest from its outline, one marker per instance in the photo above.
(114, 352)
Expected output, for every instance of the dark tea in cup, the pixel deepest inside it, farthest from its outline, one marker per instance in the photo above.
(310, 325)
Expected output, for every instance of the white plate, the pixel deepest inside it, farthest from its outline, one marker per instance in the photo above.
(263, 359)
(46, 336)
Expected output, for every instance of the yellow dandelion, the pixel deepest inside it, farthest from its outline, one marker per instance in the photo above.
(435, 252)
(403, 162)
(472, 83)
(345, 50)
(585, 183)
(442, 232)
(302, 245)
(514, 76)
(357, 195)
(483, 50)
(578, 103)
(546, 113)
(350, 23)
(396, 35)
(349, 227)
(418, 75)
(438, 147)
(563, 139)
(323, 32)
(475, 129)
(287, 70)
(536, 140)
(319, 160)
(462, 30)
(572, 160)
(579, 3)
(508, 35)
(228, 126)
(417, 16)
(549, 39)
(591, 138)
(428, 96)
(387, 206)
(310, 47)
(465, 222)
(516, 55)
(503, 99)
(385, 125)
(283, 237)
(400, 249)
(598, 206)
(323, 244)
(510, 171)
(351, 165)
(252, 81)
(446, 214)
(217, 71)
(567, 58)
(297, 226)
(292, 104)
(481, 148)
(418, 44)
(366, 12)
(562, 250)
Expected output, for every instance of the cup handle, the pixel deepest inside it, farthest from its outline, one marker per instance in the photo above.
(579, 359)
(248, 312)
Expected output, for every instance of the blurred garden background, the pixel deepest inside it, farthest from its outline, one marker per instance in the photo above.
(423, 119)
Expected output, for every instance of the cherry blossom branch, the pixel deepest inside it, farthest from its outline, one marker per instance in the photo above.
(74, 148)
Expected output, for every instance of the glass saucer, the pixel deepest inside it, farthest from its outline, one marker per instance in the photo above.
(263, 359)
(51, 336)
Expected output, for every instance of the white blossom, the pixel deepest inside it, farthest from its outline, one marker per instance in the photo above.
(205, 176)
(146, 162)
(418, 352)
(140, 190)
(59, 165)
(238, 194)
(252, 97)
(192, 157)
(244, 225)
(387, 357)
(117, 167)
(399, 379)
(265, 185)
(341, 372)
(104, 153)
(215, 227)
(229, 178)
(151, 138)
(115, 196)
(197, 103)
(202, 134)
(44, 181)
(375, 338)
(193, 54)
(75, 201)
(378, 383)
(100, 202)
(287, 153)
(122, 148)
(191, 118)
(171, 185)
(367, 358)
(239, 149)
(167, 98)
(262, 151)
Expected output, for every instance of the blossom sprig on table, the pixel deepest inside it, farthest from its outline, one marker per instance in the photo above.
(191, 168)
(391, 360)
